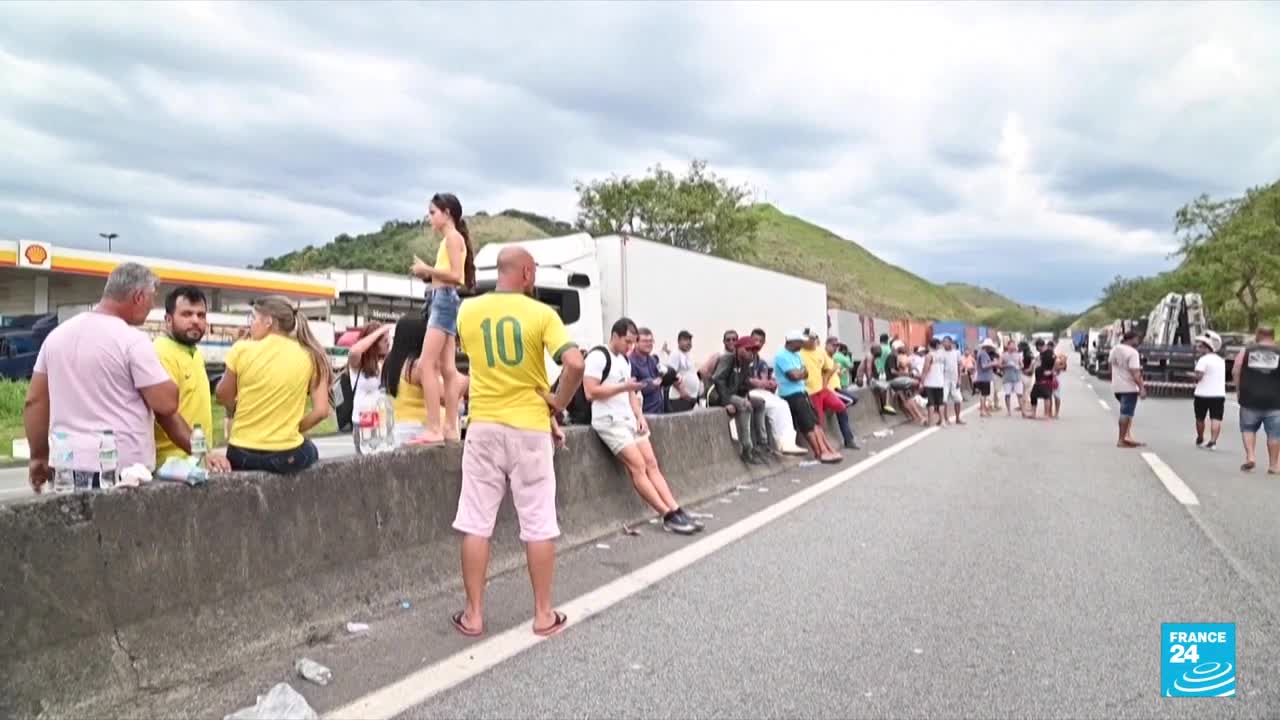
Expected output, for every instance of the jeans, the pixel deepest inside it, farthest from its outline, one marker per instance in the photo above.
(1252, 420)
(749, 415)
(281, 462)
(442, 309)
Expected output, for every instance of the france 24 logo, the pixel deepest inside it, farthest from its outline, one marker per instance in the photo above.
(1198, 659)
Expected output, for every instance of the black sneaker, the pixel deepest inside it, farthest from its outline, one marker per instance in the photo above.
(1200, 442)
(750, 457)
(697, 524)
(853, 444)
(1211, 446)
(678, 524)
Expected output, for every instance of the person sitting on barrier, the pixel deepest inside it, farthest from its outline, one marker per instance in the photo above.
(512, 434)
(871, 373)
(709, 365)
(97, 371)
(905, 387)
(618, 419)
(400, 377)
(792, 374)
(732, 379)
(266, 384)
(687, 389)
(186, 322)
(764, 388)
(820, 369)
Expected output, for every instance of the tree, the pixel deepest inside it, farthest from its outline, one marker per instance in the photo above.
(1135, 297)
(699, 211)
(1233, 248)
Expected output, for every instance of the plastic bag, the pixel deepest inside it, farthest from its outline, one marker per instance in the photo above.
(281, 702)
(182, 470)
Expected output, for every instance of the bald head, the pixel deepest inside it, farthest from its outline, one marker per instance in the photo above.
(516, 269)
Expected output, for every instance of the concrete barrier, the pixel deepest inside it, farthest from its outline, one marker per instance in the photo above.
(103, 596)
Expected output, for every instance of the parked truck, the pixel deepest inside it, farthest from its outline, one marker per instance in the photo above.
(591, 282)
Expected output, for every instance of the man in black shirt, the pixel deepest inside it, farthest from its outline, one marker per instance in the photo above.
(1257, 377)
(733, 382)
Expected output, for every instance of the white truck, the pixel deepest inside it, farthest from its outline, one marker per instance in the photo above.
(591, 282)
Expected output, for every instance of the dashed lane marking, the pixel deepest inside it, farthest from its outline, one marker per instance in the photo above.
(1174, 484)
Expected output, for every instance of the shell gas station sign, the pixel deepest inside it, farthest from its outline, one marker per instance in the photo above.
(35, 255)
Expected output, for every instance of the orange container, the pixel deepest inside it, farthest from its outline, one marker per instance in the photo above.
(913, 332)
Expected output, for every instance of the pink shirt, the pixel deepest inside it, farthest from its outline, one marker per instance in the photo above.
(96, 364)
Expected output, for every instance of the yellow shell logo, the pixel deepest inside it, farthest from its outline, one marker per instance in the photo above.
(36, 254)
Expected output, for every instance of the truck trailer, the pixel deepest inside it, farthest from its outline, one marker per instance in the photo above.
(591, 282)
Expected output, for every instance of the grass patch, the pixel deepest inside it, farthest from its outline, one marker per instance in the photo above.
(13, 394)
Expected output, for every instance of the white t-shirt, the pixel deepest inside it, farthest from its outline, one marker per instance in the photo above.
(617, 407)
(1124, 361)
(688, 374)
(917, 365)
(951, 366)
(937, 373)
(1214, 382)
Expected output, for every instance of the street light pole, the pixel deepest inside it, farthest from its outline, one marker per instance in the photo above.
(108, 237)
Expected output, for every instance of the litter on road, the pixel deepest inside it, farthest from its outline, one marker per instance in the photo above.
(602, 546)
(355, 627)
(726, 501)
(630, 531)
(281, 702)
(763, 489)
(313, 671)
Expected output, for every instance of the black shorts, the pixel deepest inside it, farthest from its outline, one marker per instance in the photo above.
(802, 413)
(1041, 392)
(1212, 407)
(983, 387)
(935, 396)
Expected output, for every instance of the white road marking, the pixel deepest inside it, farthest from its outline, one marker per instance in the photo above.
(14, 491)
(420, 686)
(1104, 404)
(1172, 482)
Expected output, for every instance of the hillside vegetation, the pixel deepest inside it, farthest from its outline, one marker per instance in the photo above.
(855, 278)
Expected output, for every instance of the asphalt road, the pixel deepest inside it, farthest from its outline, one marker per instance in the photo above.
(1005, 569)
(13, 480)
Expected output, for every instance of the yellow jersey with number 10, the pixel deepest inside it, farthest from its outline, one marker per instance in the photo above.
(506, 335)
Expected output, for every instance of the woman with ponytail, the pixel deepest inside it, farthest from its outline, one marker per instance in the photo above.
(266, 385)
(455, 268)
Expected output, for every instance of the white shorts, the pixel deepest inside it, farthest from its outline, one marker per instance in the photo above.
(951, 394)
(1013, 388)
(617, 433)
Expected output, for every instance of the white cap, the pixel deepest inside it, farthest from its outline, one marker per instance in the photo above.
(988, 343)
(796, 336)
(1212, 339)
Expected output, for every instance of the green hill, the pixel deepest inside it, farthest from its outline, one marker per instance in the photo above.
(855, 278)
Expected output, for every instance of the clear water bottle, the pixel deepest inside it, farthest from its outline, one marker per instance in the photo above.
(368, 425)
(199, 447)
(63, 455)
(387, 422)
(108, 460)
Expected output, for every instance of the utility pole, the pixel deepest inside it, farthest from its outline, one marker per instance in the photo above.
(109, 237)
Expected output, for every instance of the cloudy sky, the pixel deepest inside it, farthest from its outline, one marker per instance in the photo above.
(1038, 149)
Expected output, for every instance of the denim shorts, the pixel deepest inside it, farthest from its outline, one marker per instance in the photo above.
(1253, 420)
(442, 309)
(1128, 404)
(281, 462)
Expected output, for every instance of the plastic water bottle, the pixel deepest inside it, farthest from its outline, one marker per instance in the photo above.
(108, 460)
(199, 447)
(368, 425)
(387, 423)
(64, 475)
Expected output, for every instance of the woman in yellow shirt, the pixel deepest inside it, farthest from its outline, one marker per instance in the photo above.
(266, 385)
(455, 269)
(401, 379)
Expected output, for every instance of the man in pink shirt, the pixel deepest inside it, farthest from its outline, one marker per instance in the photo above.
(98, 372)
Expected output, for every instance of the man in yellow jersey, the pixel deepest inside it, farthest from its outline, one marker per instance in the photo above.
(186, 322)
(820, 369)
(506, 334)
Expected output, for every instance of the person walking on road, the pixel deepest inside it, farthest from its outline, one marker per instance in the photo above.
(1127, 384)
(1011, 374)
(511, 435)
(1044, 375)
(1211, 388)
(1257, 377)
(987, 360)
(952, 397)
(454, 269)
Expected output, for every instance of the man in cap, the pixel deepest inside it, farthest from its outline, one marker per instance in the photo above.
(1257, 376)
(791, 375)
(732, 379)
(779, 424)
(1211, 388)
(820, 368)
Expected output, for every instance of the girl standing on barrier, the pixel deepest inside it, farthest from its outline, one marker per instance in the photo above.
(266, 385)
(455, 269)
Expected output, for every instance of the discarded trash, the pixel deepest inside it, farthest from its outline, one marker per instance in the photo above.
(795, 480)
(867, 694)
(636, 667)
(629, 531)
(707, 516)
(182, 470)
(134, 476)
(653, 521)
(763, 489)
(875, 452)
(602, 546)
(355, 627)
(281, 702)
(740, 488)
(882, 433)
(405, 605)
(918, 651)
(313, 671)
(809, 463)
(726, 501)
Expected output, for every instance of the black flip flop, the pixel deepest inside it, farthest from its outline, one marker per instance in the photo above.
(1248, 467)
(555, 627)
(463, 629)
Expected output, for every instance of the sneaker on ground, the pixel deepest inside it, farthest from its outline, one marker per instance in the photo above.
(1211, 446)
(697, 524)
(678, 524)
(853, 445)
(1199, 442)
